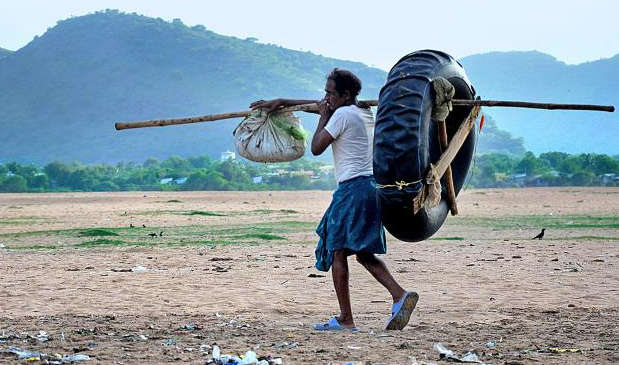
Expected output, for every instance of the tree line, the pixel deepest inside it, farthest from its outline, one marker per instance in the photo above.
(174, 174)
(203, 173)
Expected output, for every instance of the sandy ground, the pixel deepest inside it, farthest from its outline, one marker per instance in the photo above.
(483, 287)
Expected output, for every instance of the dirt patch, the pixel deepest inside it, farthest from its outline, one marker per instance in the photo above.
(243, 278)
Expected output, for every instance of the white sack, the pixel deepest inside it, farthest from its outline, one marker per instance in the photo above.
(280, 137)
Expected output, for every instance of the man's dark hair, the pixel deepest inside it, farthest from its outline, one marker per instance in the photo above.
(345, 81)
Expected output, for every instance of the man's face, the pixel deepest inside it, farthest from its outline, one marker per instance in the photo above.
(332, 97)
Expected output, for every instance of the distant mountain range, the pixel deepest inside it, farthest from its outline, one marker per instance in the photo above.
(537, 77)
(4, 52)
(61, 94)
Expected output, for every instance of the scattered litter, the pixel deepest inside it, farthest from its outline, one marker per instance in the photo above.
(218, 268)
(43, 337)
(144, 338)
(121, 270)
(250, 357)
(139, 269)
(11, 336)
(25, 354)
(354, 363)
(2, 245)
(448, 355)
(188, 327)
(561, 351)
(169, 342)
(354, 347)
(315, 276)
(286, 345)
(32, 356)
(77, 357)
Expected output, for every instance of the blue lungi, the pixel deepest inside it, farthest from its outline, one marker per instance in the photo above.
(351, 223)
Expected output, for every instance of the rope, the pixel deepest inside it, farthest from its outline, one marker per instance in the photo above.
(398, 184)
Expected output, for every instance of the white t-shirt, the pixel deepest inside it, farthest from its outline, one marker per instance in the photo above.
(352, 128)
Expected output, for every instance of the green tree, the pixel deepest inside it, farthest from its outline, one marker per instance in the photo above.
(39, 181)
(205, 180)
(233, 172)
(555, 159)
(528, 165)
(604, 164)
(58, 173)
(14, 184)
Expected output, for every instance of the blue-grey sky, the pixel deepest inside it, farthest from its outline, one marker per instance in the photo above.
(376, 32)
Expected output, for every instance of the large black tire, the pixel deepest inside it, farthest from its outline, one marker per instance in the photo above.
(406, 141)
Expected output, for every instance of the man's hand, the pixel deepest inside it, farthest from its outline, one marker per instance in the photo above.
(269, 105)
(324, 108)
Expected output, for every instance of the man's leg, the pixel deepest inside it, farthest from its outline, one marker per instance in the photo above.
(403, 302)
(379, 271)
(339, 271)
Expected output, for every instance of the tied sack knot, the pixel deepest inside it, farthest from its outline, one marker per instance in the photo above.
(444, 93)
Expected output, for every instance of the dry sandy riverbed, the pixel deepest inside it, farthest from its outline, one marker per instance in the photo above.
(239, 267)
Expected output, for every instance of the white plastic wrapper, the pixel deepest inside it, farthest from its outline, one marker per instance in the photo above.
(280, 137)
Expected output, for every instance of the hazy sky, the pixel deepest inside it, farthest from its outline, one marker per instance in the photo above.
(376, 32)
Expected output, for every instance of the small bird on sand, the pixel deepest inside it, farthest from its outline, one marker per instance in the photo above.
(153, 234)
(131, 225)
(143, 225)
(161, 234)
(540, 235)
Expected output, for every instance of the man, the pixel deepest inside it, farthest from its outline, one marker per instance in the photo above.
(351, 225)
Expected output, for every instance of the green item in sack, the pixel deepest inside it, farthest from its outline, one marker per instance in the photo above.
(285, 122)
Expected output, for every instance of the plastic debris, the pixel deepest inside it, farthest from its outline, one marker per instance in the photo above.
(561, 351)
(286, 345)
(169, 342)
(491, 344)
(24, 354)
(216, 352)
(43, 336)
(448, 355)
(250, 358)
(188, 327)
(77, 357)
(2, 245)
(139, 269)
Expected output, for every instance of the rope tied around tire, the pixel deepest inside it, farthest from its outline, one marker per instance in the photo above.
(398, 184)
(430, 194)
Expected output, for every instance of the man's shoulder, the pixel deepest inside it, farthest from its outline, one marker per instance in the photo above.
(348, 110)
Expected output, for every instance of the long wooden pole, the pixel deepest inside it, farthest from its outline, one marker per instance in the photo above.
(523, 104)
(448, 177)
(313, 107)
(456, 142)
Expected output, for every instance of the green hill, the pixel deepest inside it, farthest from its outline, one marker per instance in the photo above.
(63, 92)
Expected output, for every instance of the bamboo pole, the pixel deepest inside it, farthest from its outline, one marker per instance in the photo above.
(313, 107)
(449, 183)
(456, 142)
(523, 104)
